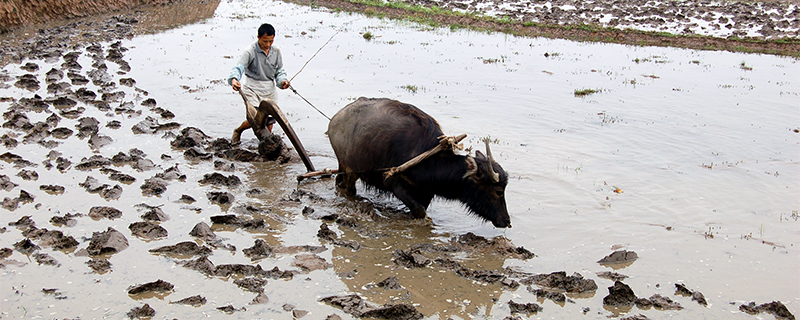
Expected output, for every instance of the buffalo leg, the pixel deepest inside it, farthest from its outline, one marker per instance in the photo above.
(416, 202)
(346, 182)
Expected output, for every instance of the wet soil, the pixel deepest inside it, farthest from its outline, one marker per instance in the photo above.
(556, 27)
(469, 260)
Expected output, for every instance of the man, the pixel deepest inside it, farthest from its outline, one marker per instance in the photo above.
(262, 64)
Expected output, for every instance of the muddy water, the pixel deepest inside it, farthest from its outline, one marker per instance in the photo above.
(689, 158)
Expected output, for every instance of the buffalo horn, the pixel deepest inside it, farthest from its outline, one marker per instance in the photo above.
(495, 176)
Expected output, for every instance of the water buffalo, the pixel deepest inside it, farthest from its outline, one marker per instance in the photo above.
(371, 135)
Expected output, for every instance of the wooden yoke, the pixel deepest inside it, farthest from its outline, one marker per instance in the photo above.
(445, 143)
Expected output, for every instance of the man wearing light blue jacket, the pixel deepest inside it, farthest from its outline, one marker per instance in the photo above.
(262, 65)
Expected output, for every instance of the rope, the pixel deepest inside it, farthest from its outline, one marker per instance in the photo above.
(309, 103)
(314, 55)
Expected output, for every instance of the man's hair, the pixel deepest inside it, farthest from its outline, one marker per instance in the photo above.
(266, 29)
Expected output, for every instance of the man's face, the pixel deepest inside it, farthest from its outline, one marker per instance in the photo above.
(265, 42)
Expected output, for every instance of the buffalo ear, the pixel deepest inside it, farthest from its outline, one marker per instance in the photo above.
(472, 168)
(479, 155)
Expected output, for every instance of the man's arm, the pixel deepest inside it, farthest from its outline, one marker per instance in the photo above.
(237, 71)
(280, 74)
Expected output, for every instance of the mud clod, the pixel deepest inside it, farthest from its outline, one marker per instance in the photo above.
(143, 312)
(218, 179)
(527, 308)
(261, 298)
(309, 262)
(259, 250)
(251, 284)
(153, 187)
(410, 259)
(99, 266)
(45, 259)
(619, 295)
(658, 301)
(67, 220)
(220, 198)
(611, 276)
(194, 301)
(147, 230)
(109, 241)
(682, 290)
(621, 258)
(101, 212)
(155, 286)
(229, 309)
(560, 281)
(184, 248)
(557, 297)
(776, 308)
(390, 283)
(26, 246)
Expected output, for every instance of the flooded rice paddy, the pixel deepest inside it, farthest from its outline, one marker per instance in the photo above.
(687, 158)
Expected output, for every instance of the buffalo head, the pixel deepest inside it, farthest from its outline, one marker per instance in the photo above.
(486, 188)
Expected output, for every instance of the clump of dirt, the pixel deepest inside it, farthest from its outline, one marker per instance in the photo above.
(658, 301)
(50, 238)
(52, 189)
(251, 284)
(45, 259)
(194, 301)
(619, 295)
(237, 221)
(230, 309)
(611, 276)
(485, 276)
(23, 223)
(143, 312)
(309, 262)
(325, 233)
(67, 219)
(218, 179)
(261, 298)
(184, 248)
(682, 290)
(410, 258)
(151, 213)
(527, 308)
(148, 230)
(560, 281)
(390, 283)
(270, 147)
(776, 308)
(356, 306)
(109, 241)
(220, 198)
(106, 191)
(99, 266)
(26, 246)
(155, 286)
(619, 259)
(101, 212)
(259, 250)
(151, 125)
(153, 187)
(500, 245)
(557, 297)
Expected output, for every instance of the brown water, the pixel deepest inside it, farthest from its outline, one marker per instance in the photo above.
(699, 146)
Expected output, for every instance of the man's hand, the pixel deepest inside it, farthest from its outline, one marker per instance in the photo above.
(236, 84)
(285, 84)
